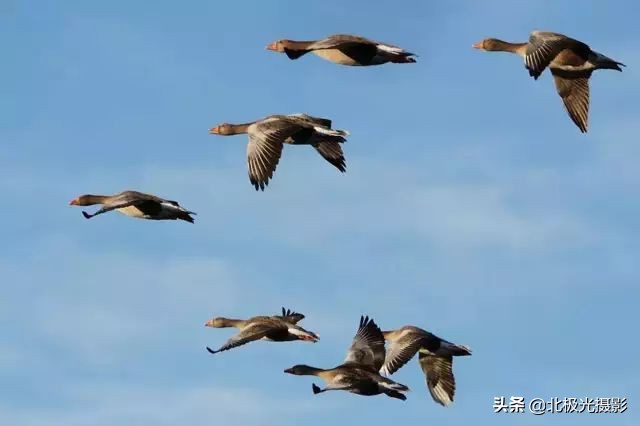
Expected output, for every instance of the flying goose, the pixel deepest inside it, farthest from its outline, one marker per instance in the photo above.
(570, 61)
(345, 49)
(434, 354)
(359, 372)
(276, 328)
(135, 204)
(267, 136)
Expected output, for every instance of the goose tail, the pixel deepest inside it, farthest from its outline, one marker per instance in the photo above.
(457, 350)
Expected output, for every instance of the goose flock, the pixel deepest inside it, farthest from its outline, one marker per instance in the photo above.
(367, 366)
(374, 354)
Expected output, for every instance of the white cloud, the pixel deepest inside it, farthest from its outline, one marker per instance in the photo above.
(485, 215)
(406, 205)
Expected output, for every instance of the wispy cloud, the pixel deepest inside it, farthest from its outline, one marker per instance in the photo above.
(448, 215)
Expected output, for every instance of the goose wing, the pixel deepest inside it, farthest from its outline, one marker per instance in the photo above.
(147, 205)
(318, 121)
(358, 48)
(339, 40)
(332, 152)
(544, 46)
(574, 91)
(400, 352)
(367, 348)
(253, 331)
(439, 376)
(291, 316)
(266, 139)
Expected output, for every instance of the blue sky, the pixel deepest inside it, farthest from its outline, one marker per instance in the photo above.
(472, 207)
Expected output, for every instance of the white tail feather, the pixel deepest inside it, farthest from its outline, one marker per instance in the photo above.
(390, 49)
(331, 132)
(173, 207)
(390, 384)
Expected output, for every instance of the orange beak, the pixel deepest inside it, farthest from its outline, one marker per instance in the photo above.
(273, 46)
(214, 131)
(478, 45)
(73, 202)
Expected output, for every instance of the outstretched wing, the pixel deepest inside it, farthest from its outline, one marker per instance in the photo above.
(574, 91)
(399, 353)
(265, 146)
(147, 207)
(367, 348)
(291, 316)
(439, 375)
(252, 332)
(544, 46)
(332, 152)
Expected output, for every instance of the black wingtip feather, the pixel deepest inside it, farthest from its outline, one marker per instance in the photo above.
(259, 186)
(316, 389)
(339, 164)
(211, 351)
(533, 73)
(365, 321)
(86, 215)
